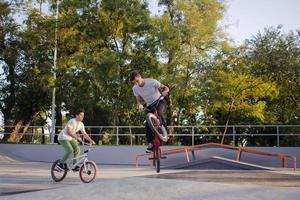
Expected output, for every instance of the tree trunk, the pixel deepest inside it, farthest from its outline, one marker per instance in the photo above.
(58, 122)
(21, 127)
(227, 120)
(169, 112)
(18, 131)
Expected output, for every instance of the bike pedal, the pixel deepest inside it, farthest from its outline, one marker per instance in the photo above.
(163, 157)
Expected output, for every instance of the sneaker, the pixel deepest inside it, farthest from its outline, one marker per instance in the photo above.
(76, 169)
(150, 148)
(66, 167)
(60, 167)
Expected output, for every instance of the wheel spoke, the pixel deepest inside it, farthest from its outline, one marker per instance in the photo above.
(57, 173)
(88, 172)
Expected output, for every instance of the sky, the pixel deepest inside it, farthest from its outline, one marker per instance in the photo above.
(249, 16)
(244, 18)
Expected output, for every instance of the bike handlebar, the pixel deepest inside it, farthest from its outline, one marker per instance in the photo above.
(156, 102)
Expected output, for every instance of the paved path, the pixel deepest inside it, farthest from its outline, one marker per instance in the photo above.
(28, 180)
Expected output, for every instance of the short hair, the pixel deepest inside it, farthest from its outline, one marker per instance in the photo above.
(78, 111)
(133, 75)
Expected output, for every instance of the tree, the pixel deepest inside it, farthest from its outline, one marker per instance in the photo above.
(233, 94)
(27, 65)
(9, 62)
(273, 56)
(35, 76)
(186, 32)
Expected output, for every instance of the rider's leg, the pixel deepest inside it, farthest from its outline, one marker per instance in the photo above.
(76, 150)
(68, 149)
(149, 133)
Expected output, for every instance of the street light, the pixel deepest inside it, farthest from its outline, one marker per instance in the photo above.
(52, 133)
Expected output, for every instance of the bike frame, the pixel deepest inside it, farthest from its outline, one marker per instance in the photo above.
(82, 159)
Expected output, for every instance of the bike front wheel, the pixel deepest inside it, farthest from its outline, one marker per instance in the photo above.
(88, 172)
(157, 160)
(152, 120)
(57, 173)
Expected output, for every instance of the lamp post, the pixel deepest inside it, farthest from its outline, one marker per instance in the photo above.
(52, 133)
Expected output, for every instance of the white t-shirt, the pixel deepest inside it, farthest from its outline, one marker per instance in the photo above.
(149, 92)
(76, 126)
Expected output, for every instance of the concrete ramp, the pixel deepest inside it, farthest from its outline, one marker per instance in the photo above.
(219, 163)
(6, 159)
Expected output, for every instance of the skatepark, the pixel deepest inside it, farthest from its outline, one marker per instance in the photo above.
(149, 100)
(25, 174)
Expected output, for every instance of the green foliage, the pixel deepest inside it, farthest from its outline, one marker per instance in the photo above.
(240, 93)
(101, 42)
(274, 56)
(187, 32)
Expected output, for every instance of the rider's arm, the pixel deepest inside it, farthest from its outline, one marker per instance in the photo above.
(165, 90)
(86, 136)
(139, 101)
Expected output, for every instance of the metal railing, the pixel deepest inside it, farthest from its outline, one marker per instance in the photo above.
(185, 150)
(237, 135)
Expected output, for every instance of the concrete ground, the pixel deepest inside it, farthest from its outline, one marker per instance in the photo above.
(28, 180)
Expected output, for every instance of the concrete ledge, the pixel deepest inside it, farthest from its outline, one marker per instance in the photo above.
(218, 163)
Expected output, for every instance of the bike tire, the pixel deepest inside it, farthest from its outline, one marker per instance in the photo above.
(91, 171)
(62, 173)
(157, 160)
(162, 130)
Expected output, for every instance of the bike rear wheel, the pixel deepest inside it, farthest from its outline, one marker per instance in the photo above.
(57, 174)
(162, 130)
(88, 172)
